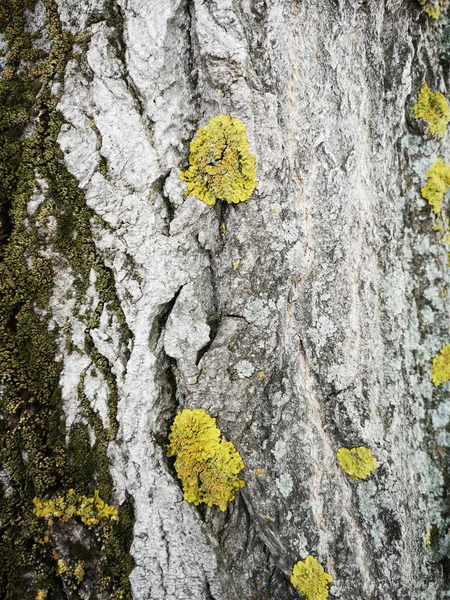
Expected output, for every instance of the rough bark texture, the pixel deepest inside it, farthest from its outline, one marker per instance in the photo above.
(320, 337)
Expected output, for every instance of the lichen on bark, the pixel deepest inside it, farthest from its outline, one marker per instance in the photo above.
(306, 318)
(37, 244)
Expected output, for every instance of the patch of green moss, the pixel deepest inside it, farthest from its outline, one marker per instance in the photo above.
(32, 434)
(18, 90)
(438, 182)
(434, 108)
(32, 439)
(81, 458)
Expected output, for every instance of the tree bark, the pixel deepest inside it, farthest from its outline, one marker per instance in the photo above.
(304, 320)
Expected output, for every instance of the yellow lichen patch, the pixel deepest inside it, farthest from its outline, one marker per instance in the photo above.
(438, 182)
(310, 579)
(90, 510)
(62, 567)
(220, 165)
(434, 12)
(357, 462)
(219, 478)
(41, 595)
(434, 9)
(440, 369)
(79, 572)
(207, 466)
(433, 107)
(236, 264)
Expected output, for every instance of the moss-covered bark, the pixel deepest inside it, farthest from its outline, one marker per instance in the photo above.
(34, 457)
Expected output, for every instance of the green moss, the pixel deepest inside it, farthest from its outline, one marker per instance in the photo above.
(102, 439)
(440, 368)
(18, 90)
(81, 458)
(438, 182)
(105, 368)
(207, 466)
(310, 579)
(32, 433)
(220, 165)
(357, 462)
(433, 107)
(31, 404)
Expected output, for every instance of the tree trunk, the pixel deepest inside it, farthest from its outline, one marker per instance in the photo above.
(304, 320)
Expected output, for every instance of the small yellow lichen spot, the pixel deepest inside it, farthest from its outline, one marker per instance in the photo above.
(310, 579)
(62, 567)
(220, 165)
(260, 374)
(357, 462)
(434, 12)
(79, 572)
(236, 264)
(260, 471)
(41, 595)
(223, 229)
(440, 369)
(90, 510)
(427, 540)
(437, 227)
(433, 107)
(207, 466)
(438, 182)
(434, 9)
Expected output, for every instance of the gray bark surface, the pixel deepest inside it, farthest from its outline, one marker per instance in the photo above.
(322, 336)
